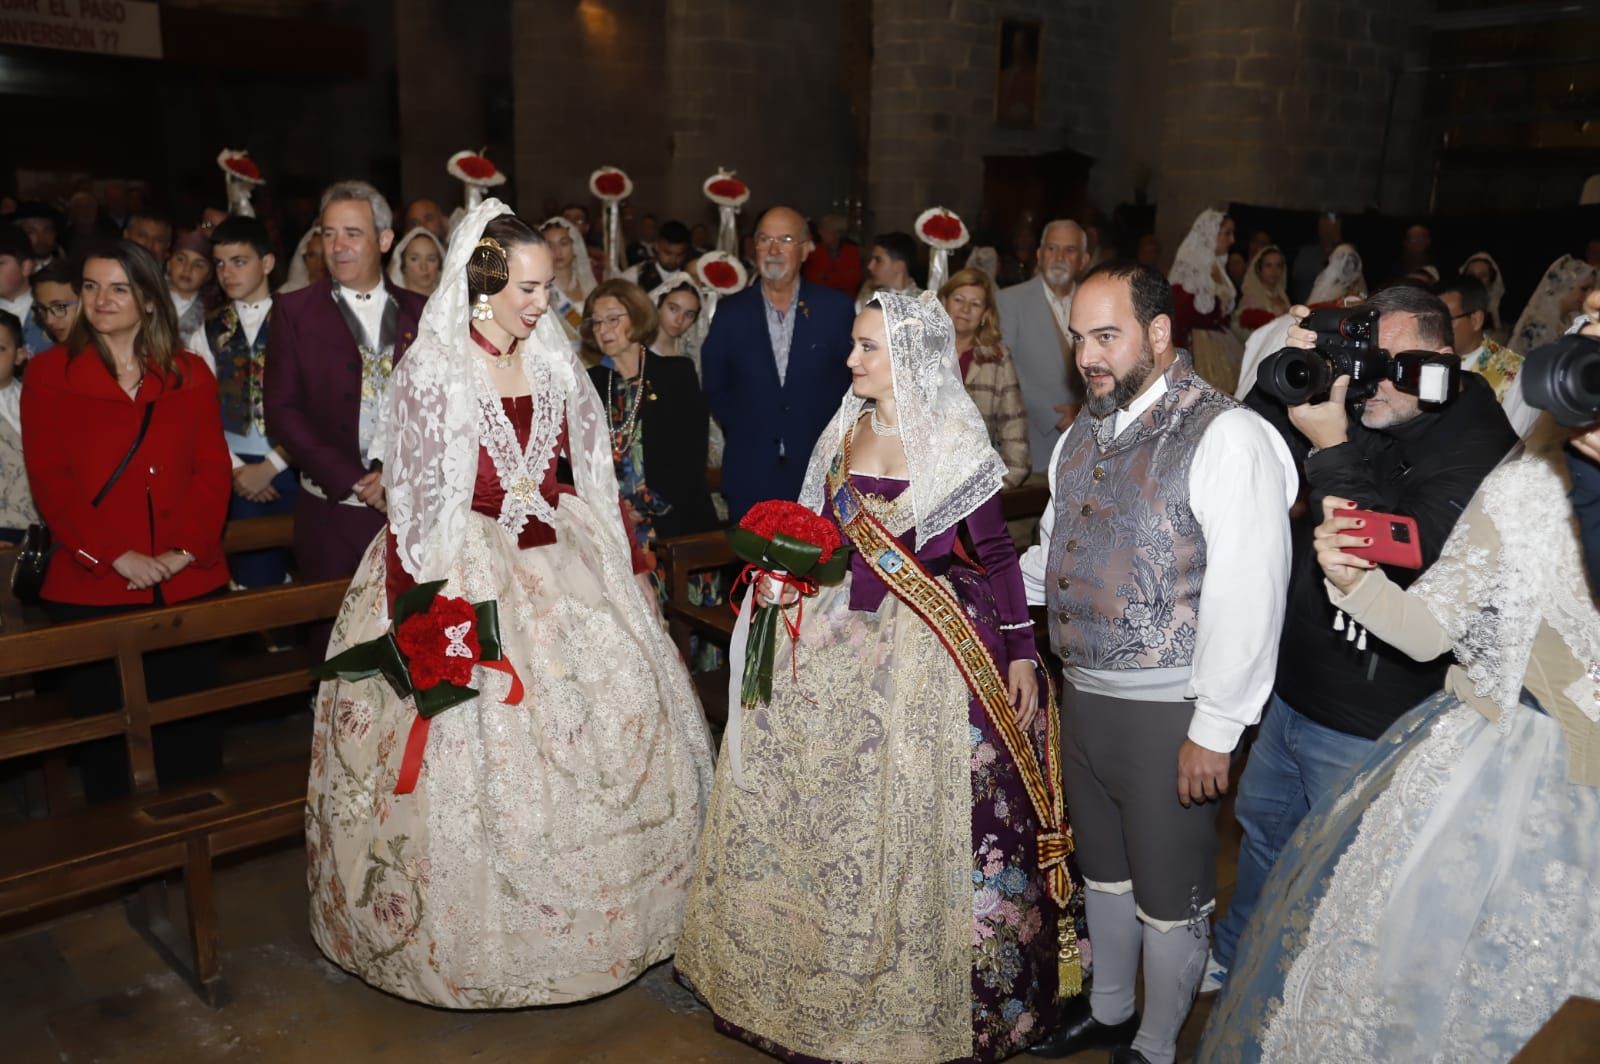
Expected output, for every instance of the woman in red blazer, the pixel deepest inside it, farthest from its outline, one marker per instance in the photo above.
(156, 536)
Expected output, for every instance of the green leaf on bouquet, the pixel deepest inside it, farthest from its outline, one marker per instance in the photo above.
(832, 571)
(436, 700)
(793, 555)
(375, 657)
(416, 600)
(489, 630)
(755, 687)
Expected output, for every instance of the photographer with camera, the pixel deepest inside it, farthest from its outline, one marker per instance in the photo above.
(1441, 907)
(1564, 378)
(1372, 403)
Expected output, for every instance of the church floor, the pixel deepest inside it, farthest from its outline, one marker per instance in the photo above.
(84, 987)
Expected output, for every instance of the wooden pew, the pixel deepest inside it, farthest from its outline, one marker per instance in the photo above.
(155, 831)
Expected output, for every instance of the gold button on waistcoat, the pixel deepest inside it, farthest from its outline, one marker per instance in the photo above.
(1099, 472)
(1063, 583)
(1087, 510)
(1072, 544)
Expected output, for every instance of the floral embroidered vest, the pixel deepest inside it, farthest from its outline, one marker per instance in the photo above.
(1127, 557)
(240, 369)
(1497, 365)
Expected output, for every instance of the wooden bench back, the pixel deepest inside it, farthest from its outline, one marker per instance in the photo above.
(28, 646)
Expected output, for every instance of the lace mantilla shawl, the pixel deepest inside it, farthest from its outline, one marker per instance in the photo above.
(1543, 319)
(952, 466)
(1512, 563)
(1342, 273)
(443, 406)
(1199, 270)
(582, 268)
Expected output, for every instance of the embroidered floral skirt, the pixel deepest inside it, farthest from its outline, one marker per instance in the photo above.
(546, 851)
(1440, 908)
(867, 888)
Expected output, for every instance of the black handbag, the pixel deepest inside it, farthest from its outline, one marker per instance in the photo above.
(36, 549)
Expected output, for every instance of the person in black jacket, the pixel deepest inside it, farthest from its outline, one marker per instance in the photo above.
(1338, 689)
(659, 420)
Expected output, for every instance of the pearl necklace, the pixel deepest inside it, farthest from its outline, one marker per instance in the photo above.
(879, 428)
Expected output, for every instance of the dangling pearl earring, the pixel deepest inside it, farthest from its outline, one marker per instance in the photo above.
(481, 311)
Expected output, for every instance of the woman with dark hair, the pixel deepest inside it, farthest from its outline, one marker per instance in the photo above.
(122, 438)
(656, 415)
(190, 282)
(530, 844)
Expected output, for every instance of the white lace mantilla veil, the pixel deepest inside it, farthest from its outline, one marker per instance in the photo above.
(689, 343)
(1255, 288)
(581, 267)
(1199, 270)
(1492, 606)
(443, 405)
(1342, 273)
(397, 254)
(953, 467)
(298, 276)
(1543, 320)
(1497, 290)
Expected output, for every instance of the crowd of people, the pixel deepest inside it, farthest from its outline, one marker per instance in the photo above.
(914, 849)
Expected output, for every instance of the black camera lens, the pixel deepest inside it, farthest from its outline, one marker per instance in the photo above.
(1564, 378)
(1294, 376)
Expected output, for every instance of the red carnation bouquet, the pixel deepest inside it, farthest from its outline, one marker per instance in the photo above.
(795, 548)
(433, 643)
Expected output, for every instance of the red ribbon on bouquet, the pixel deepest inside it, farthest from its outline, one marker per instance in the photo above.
(778, 576)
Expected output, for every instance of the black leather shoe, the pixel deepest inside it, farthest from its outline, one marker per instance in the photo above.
(1128, 1055)
(1078, 1030)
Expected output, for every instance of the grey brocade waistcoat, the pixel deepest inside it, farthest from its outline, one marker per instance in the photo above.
(1127, 556)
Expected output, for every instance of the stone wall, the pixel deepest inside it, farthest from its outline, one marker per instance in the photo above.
(1284, 104)
(587, 85)
(757, 88)
(454, 77)
(933, 96)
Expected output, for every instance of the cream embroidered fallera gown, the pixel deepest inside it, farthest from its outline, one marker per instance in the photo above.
(545, 853)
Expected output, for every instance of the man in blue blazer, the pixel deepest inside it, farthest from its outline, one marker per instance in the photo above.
(773, 367)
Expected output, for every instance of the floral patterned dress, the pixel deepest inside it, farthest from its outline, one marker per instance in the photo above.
(867, 887)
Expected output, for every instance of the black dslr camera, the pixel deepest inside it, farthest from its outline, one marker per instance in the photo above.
(1564, 378)
(1347, 345)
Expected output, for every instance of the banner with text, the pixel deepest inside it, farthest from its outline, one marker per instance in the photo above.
(104, 27)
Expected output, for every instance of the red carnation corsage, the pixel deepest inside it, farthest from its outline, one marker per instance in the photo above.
(788, 544)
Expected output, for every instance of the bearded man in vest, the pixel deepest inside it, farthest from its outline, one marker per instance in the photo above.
(1163, 561)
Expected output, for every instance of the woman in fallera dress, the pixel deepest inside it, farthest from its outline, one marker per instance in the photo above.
(544, 850)
(870, 883)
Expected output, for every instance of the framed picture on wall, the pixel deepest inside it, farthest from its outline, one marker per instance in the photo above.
(1016, 91)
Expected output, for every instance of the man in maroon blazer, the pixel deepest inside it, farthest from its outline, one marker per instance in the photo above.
(334, 345)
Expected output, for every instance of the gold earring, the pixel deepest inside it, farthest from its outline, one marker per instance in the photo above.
(481, 311)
